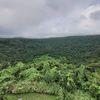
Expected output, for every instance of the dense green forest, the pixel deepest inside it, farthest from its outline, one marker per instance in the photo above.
(67, 67)
(77, 49)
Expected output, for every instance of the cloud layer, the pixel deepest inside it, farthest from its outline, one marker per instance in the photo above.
(49, 18)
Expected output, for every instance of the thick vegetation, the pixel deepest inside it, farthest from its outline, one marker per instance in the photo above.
(52, 76)
(66, 67)
(77, 50)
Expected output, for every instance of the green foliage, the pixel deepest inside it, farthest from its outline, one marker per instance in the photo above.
(78, 95)
(52, 76)
(69, 67)
(77, 50)
(29, 74)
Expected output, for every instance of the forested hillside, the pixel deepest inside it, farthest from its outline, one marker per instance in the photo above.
(77, 50)
(67, 67)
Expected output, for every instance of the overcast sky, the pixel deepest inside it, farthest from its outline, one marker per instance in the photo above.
(49, 18)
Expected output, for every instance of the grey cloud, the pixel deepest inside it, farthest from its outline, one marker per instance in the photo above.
(95, 15)
(45, 18)
(5, 32)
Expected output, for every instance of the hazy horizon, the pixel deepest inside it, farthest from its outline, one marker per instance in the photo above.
(49, 37)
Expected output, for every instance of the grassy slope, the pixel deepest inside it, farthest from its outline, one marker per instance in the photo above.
(31, 96)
